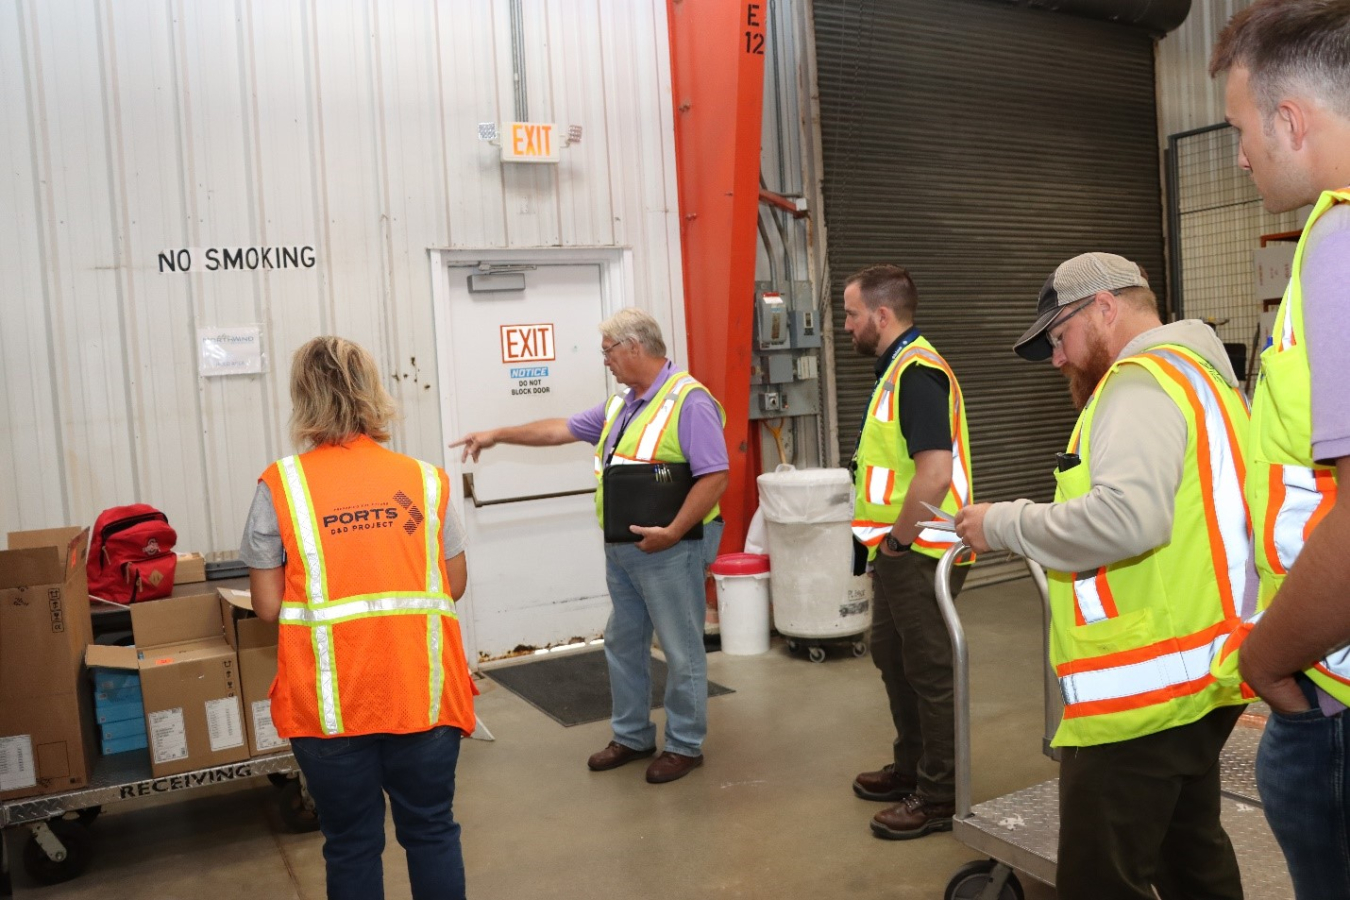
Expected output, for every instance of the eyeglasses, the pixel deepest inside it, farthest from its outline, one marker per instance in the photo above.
(606, 351)
(1057, 339)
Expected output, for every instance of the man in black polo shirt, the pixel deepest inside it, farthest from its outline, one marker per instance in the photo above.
(912, 449)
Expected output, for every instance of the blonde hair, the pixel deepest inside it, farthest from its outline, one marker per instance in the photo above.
(337, 395)
(632, 324)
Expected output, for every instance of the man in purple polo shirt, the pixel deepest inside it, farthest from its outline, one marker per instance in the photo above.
(656, 583)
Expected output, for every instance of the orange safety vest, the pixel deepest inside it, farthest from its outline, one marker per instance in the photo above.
(369, 638)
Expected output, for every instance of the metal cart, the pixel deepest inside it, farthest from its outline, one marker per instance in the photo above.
(1019, 832)
(60, 840)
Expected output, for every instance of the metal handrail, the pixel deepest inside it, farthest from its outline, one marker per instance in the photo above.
(961, 670)
(479, 504)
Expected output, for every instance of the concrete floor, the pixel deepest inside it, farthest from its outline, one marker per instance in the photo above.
(770, 814)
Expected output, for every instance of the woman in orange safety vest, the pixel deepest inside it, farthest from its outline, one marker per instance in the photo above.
(353, 549)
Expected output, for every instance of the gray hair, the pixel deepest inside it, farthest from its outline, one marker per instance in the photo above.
(1290, 46)
(632, 324)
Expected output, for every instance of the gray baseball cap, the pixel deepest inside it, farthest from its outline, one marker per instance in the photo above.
(1074, 280)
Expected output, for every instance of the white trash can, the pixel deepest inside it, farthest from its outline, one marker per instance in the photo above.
(743, 602)
(809, 513)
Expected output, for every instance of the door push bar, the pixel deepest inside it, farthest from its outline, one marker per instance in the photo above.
(479, 504)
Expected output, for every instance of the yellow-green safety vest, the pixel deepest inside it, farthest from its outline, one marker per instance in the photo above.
(1288, 491)
(882, 465)
(652, 436)
(1132, 642)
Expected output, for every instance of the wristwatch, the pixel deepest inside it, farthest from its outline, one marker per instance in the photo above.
(895, 546)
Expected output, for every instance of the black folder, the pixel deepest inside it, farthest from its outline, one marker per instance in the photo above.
(647, 494)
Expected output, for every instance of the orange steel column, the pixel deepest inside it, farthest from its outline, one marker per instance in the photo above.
(717, 63)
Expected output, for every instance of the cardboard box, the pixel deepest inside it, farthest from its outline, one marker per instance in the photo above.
(46, 716)
(1274, 263)
(256, 643)
(189, 683)
(191, 569)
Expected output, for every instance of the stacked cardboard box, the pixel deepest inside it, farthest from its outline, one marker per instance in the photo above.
(118, 710)
(189, 682)
(46, 719)
(256, 643)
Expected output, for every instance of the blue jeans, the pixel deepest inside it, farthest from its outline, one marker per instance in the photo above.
(661, 591)
(1303, 774)
(348, 778)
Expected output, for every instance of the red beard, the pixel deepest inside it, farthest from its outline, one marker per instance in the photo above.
(1083, 379)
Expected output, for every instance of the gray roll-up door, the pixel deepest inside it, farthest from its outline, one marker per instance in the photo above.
(979, 145)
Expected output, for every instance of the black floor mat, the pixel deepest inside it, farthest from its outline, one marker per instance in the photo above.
(572, 688)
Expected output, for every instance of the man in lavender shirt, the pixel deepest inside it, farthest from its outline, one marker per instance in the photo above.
(1288, 96)
(656, 583)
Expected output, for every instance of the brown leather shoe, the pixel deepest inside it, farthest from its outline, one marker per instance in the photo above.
(912, 817)
(670, 766)
(616, 755)
(884, 785)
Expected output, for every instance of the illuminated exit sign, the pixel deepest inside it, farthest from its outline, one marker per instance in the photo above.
(537, 142)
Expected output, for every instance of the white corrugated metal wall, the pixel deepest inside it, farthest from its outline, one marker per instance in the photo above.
(132, 127)
(1187, 97)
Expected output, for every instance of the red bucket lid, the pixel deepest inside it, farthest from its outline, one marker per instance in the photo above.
(741, 564)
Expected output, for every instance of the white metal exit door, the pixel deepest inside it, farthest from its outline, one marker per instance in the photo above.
(536, 558)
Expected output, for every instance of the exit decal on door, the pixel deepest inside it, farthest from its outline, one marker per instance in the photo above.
(528, 344)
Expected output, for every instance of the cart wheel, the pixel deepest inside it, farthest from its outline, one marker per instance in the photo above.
(859, 648)
(793, 646)
(84, 816)
(297, 808)
(79, 847)
(816, 654)
(971, 879)
(279, 779)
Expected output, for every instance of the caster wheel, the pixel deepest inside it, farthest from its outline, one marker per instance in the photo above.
(297, 808)
(78, 843)
(793, 646)
(860, 648)
(816, 654)
(970, 881)
(279, 779)
(84, 816)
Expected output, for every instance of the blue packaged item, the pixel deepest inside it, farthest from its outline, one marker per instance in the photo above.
(111, 680)
(125, 728)
(121, 745)
(106, 711)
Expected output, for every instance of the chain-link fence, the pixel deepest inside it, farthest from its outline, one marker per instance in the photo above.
(1216, 221)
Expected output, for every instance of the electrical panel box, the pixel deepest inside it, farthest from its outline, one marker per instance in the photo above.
(780, 368)
(804, 318)
(772, 328)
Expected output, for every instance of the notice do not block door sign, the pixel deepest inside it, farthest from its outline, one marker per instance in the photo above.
(527, 343)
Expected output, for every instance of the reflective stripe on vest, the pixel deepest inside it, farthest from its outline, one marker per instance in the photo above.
(1137, 678)
(1301, 497)
(320, 614)
(306, 528)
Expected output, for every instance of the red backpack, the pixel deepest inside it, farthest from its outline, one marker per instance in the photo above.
(131, 554)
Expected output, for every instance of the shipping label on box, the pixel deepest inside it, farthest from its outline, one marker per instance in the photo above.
(17, 771)
(264, 735)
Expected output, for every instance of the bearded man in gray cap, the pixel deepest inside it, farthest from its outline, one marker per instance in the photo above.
(1147, 547)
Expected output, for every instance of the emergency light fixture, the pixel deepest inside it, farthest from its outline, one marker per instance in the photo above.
(529, 142)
